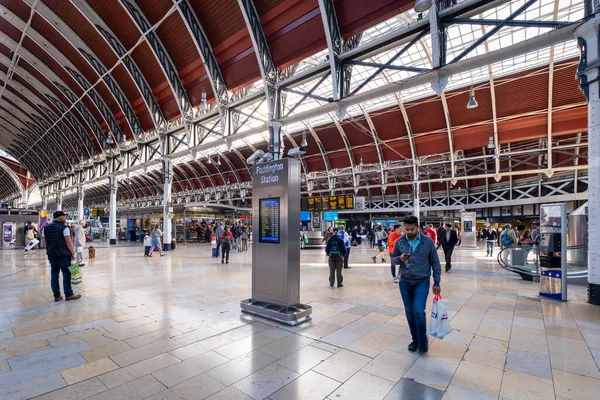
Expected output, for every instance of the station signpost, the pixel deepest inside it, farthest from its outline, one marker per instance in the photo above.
(276, 245)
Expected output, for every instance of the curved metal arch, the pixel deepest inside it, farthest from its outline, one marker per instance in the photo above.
(76, 126)
(136, 188)
(231, 166)
(61, 86)
(29, 142)
(161, 55)
(11, 175)
(377, 143)
(159, 120)
(184, 173)
(243, 159)
(205, 50)
(355, 177)
(207, 172)
(61, 60)
(324, 155)
(196, 176)
(220, 171)
(75, 41)
(40, 121)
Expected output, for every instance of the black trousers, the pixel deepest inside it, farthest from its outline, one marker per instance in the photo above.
(448, 255)
(346, 256)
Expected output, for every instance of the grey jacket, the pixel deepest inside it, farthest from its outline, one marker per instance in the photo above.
(424, 260)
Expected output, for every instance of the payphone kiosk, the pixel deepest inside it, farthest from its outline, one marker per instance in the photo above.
(553, 251)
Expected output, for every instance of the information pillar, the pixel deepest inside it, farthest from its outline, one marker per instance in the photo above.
(276, 243)
(112, 213)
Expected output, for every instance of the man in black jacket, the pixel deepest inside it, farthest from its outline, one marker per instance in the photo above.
(336, 250)
(61, 254)
(448, 238)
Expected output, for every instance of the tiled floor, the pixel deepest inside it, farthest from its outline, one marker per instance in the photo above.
(171, 328)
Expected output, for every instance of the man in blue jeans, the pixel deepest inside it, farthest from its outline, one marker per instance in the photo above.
(60, 250)
(417, 257)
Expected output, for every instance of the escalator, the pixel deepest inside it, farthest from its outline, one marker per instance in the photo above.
(528, 270)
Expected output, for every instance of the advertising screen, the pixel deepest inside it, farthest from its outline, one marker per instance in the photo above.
(304, 215)
(330, 215)
(268, 225)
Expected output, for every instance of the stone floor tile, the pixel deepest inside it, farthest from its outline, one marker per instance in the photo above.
(201, 347)
(363, 386)
(342, 365)
(389, 365)
(230, 393)
(341, 338)
(432, 372)
(243, 346)
(89, 370)
(168, 394)
(286, 346)
(310, 386)
(304, 359)
(139, 389)
(187, 369)
(409, 389)
(575, 387)
(241, 367)
(455, 392)
(40, 370)
(376, 340)
(77, 391)
(486, 357)
(33, 387)
(48, 355)
(145, 352)
(265, 382)
(109, 349)
(529, 363)
(480, 378)
(198, 387)
(518, 386)
(532, 323)
(187, 338)
(577, 362)
(529, 346)
(89, 325)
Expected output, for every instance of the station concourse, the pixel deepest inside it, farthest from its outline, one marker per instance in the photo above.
(280, 122)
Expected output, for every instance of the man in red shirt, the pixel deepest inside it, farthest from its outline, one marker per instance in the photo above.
(395, 235)
(432, 233)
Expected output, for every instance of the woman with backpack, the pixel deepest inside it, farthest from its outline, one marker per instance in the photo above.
(244, 238)
(226, 240)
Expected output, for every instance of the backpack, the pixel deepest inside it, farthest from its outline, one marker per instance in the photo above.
(244, 235)
(506, 240)
(305, 238)
(225, 239)
(334, 250)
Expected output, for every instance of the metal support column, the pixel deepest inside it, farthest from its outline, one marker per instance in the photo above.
(44, 203)
(417, 201)
(112, 213)
(80, 194)
(588, 72)
(167, 210)
(59, 199)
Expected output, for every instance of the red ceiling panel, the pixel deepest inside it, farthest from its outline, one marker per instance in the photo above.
(473, 137)
(117, 20)
(69, 14)
(331, 138)
(566, 88)
(121, 76)
(9, 30)
(432, 144)
(356, 16)
(357, 131)
(339, 159)
(514, 97)
(426, 117)
(17, 7)
(389, 124)
(457, 105)
(154, 10)
(396, 150)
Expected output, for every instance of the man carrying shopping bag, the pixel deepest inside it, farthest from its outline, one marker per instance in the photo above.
(60, 250)
(418, 259)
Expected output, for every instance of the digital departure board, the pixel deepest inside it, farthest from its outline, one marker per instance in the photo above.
(327, 203)
(268, 224)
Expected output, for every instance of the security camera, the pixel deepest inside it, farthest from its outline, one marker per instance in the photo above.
(297, 151)
(255, 157)
(265, 158)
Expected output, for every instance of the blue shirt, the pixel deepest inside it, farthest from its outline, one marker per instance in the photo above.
(414, 243)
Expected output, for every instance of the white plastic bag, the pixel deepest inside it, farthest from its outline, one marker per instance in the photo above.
(439, 326)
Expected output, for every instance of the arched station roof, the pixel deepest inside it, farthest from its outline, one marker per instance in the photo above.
(84, 82)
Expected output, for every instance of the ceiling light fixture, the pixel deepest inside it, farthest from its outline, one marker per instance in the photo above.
(209, 160)
(491, 144)
(361, 165)
(219, 161)
(304, 143)
(472, 102)
(422, 5)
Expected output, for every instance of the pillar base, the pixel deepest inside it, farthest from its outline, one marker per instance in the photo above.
(167, 247)
(594, 294)
(113, 241)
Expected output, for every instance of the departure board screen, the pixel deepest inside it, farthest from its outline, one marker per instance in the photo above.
(325, 203)
(268, 220)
